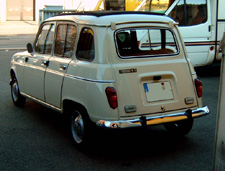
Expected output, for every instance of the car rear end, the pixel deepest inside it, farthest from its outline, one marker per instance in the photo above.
(154, 80)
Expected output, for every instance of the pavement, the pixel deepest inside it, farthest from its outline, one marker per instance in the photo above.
(14, 35)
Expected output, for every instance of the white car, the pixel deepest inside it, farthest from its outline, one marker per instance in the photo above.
(113, 69)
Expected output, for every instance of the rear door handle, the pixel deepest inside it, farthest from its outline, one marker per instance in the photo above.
(44, 62)
(63, 67)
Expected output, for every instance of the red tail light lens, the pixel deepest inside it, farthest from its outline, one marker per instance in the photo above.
(112, 97)
(198, 85)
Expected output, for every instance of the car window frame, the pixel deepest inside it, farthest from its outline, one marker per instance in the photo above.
(39, 32)
(80, 31)
(148, 56)
(66, 22)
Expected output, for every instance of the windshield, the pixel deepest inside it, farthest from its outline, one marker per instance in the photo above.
(145, 42)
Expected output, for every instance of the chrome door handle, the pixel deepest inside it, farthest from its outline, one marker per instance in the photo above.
(44, 62)
(63, 67)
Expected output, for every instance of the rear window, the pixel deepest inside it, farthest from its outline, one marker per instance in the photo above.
(145, 42)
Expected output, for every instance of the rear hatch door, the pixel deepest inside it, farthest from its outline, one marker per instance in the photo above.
(152, 74)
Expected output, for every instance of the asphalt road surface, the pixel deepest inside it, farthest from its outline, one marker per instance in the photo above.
(37, 138)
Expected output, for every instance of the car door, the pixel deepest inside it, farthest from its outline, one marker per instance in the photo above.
(36, 64)
(58, 63)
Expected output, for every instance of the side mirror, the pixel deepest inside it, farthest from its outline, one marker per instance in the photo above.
(30, 48)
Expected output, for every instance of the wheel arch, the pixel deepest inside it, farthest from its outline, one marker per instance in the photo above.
(68, 105)
(12, 73)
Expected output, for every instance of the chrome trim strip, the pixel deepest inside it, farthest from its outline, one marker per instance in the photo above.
(41, 102)
(155, 119)
(90, 80)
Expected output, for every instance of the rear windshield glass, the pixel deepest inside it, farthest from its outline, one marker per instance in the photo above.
(145, 42)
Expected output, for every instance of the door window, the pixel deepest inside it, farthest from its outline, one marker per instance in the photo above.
(45, 39)
(85, 47)
(145, 42)
(65, 40)
(190, 12)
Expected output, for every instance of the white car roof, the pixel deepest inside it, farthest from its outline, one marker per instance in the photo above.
(106, 18)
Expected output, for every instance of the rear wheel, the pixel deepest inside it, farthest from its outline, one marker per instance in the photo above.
(179, 128)
(17, 98)
(80, 128)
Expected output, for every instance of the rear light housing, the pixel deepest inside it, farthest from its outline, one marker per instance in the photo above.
(198, 86)
(112, 97)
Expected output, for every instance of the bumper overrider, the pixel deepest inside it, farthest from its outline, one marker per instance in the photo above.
(153, 120)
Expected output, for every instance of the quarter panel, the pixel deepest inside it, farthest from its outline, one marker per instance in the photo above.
(85, 83)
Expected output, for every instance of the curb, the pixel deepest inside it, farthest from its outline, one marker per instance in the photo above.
(11, 49)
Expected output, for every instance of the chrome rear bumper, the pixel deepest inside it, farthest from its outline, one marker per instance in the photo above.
(153, 120)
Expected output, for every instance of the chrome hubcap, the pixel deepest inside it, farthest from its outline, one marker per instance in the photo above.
(77, 127)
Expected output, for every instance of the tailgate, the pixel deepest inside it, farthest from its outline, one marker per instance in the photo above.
(152, 74)
(154, 87)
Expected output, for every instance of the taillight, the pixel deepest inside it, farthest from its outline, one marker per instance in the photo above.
(112, 97)
(198, 85)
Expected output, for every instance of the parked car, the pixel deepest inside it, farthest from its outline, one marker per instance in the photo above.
(114, 69)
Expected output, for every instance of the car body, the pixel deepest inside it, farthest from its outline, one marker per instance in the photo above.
(113, 69)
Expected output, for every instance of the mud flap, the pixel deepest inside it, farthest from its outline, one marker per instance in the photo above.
(143, 122)
(188, 113)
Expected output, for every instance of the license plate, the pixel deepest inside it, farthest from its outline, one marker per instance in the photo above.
(158, 91)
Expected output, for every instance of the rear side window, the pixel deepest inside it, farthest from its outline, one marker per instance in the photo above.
(145, 42)
(45, 39)
(85, 47)
(65, 40)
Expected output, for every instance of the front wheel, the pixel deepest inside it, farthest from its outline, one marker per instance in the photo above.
(17, 98)
(179, 128)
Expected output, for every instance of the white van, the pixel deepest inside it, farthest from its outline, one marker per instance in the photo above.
(92, 66)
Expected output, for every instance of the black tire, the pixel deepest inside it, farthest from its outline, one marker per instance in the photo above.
(17, 98)
(81, 128)
(179, 128)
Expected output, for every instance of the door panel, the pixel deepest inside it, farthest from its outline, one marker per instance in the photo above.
(63, 52)
(13, 10)
(34, 73)
(35, 67)
(27, 13)
(54, 79)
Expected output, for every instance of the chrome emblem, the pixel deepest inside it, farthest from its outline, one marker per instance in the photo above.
(126, 71)
(163, 108)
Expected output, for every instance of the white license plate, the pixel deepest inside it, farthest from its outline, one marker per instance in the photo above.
(158, 91)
